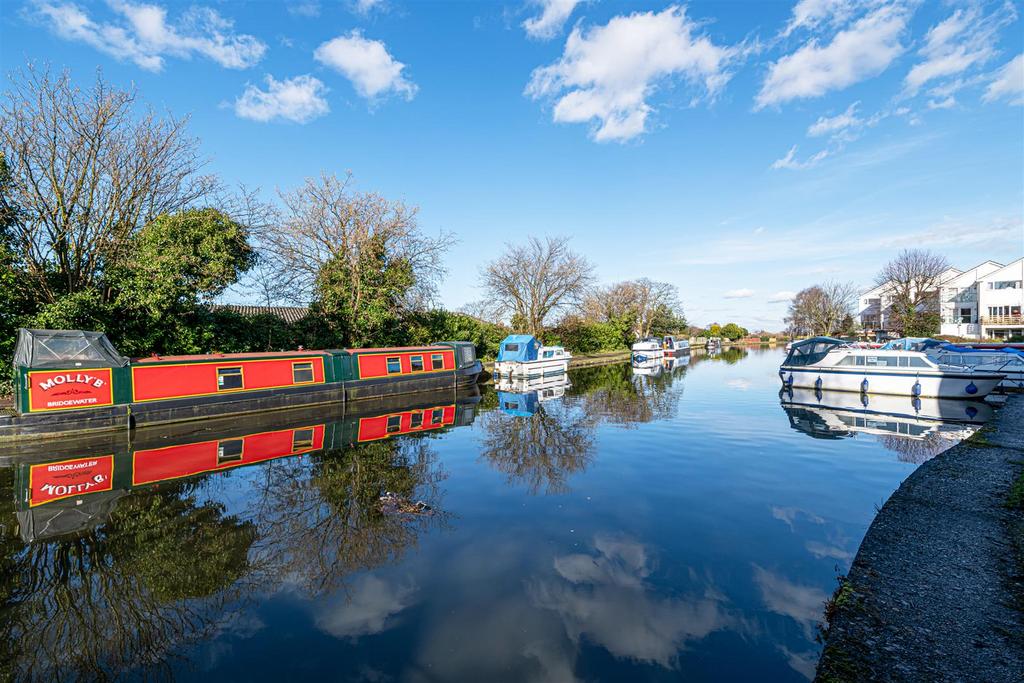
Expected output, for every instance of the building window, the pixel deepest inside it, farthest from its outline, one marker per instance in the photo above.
(1005, 284)
(416, 421)
(302, 373)
(417, 363)
(229, 450)
(394, 365)
(437, 361)
(229, 378)
(965, 315)
(302, 438)
(394, 424)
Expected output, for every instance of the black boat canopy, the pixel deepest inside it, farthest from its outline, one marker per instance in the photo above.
(810, 351)
(65, 349)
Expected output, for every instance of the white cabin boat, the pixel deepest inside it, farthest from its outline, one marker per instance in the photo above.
(521, 356)
(1008, 362)
(521, 397)
(648, 350)
(833, 365)
(673, 346)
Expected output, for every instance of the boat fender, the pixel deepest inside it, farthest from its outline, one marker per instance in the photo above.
(916, 390)
(971, 389)
(864, 386)
(971, 411)
(917, 404)
(864, 400)
(789, 382)
(818, 394)
(817, 384)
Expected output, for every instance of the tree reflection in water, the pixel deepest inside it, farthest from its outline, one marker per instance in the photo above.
(161, 573)
(168, 569)
(542, 451)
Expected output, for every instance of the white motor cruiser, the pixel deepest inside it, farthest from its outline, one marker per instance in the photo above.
(521, 356)
(834, 365)
(648, 350)
(674, 347)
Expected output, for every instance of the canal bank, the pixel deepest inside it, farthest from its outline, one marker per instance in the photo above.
(936, 591)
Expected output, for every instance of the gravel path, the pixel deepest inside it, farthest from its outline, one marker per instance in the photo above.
(936, 592)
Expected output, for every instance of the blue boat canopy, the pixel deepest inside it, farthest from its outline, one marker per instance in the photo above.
(810, 351)
(912, 344)
(518, 347)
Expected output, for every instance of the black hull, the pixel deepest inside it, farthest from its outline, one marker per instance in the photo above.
(138, 415)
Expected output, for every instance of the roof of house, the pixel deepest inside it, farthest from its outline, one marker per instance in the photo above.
(289, 314)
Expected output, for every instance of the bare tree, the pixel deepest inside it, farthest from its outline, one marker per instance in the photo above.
(85, 174)
(912, 281)
(327, 219)
(644, 302)
(535, 281)
(821, 309)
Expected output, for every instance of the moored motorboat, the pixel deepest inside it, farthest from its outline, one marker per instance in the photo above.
(673, 346)
(75, 381)
(521, 397)
(648, 349)
(834, 365)
(521, 356)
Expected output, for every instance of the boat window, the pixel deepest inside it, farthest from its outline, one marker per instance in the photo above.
(904, 362)
(436, 415)
(860, 360)
(919, 363)
(229, 450)
(511, 406)
(880, 361)
(394, 365)
(437, 361)
(302, 438)
(416, 421)
(417, 363)
(394, 424)
(302, 373)
(467, 355)
(549, 354)
(512, 348)
(229, 378)
(847, 360)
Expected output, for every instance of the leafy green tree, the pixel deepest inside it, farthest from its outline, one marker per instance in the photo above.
(715, 330)
(359, 301)
(732, 331)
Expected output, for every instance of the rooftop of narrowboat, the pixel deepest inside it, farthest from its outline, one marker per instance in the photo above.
(155, 358)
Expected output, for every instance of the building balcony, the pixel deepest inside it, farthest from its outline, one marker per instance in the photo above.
(1011, 320)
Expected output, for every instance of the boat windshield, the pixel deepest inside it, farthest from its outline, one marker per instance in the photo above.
(810, 351)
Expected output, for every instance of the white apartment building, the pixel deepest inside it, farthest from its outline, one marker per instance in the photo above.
(983, 302)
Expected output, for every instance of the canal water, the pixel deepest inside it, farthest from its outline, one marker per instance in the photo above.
(660, 523)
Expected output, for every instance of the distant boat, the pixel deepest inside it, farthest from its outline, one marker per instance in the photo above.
(647, 350)
(521, 356)
(834, 365)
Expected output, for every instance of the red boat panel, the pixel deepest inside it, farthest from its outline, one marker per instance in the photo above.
(69, 389)
(375, 364)
(68, 478)
(185, 380)
(408, 422)
(173, 462)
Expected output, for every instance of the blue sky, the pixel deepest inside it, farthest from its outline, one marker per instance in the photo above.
(740, 150)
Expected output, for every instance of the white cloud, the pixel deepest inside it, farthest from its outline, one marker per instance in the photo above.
(299, 99)
(1008, 83)
(809, 14)
(781, 297)
(143, 35)
(367, 63)
(552, 18)
(364, 7)
(964, 40)
(863, 50)
(304, 8)
(607, 73)
(947, 103)
(739, 294)
(835, 124)
(790, 161)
